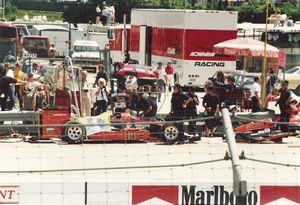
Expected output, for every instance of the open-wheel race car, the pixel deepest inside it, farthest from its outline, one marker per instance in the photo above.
(62, 117)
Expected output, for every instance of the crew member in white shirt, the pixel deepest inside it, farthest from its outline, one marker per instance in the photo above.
(255, 95)
(102, 97)
(162, 79)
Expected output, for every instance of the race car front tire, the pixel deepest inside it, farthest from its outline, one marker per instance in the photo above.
(74, 133)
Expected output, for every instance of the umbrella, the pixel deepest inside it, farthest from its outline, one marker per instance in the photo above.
(138, 71)
(245, 47)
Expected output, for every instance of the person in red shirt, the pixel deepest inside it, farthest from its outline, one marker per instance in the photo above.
(170, 75)
(273, 96)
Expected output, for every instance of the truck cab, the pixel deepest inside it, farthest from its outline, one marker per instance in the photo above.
(36, 44)
(86, 54)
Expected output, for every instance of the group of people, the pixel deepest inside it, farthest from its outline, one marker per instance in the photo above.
(105, 14)
(25, 87)
(282, 97)
(96, 96)
(281, 19)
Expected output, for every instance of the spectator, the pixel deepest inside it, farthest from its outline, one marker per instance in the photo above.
(33, 70)
(98, 14)
(112, 12)
(170, 76)
(19, 76)
(220, 78)
(10, 93)
(255, 95)
(283, 19)
(5, 82)
(52, 51)
(271, 80)
(31, 92)
(144, 106)
(179, 102)
(102, 97)
(290, 22)
(8, 70)
(101, 74)
(162, 78)
(105, 14)
(86, 95)
(274, 18)
(284, 99)
(272, 97)
(191, 110)
(211, 103)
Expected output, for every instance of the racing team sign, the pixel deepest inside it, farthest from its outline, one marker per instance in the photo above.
(218, 195)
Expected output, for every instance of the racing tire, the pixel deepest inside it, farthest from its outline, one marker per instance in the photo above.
(74, 134)
(170, 133)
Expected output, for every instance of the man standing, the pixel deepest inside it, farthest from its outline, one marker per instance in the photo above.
(19, 76)
(211, 103)
(101, 74)
(105, 14)
(271, 81)
(52, 51)
(255, 95)
(98, 14)
(10, 92)
(86, 95)
(5, 82)
(102, 97)
(191, 110)
(179, 102)
(162, 78)
(170, 75)
(284, 99)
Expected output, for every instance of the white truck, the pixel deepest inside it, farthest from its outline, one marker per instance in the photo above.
(58, 35)
(86, 54)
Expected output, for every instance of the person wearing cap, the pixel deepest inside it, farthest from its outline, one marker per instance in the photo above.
(170, 75)
(191, 109)
(162, 79)
(101, 97)
(211, 103)
(86, 95)
(179, 102)
(255, 95)
(284, 99)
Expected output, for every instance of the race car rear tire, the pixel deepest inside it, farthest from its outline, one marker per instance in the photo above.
(170, 133)
(75, 133)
